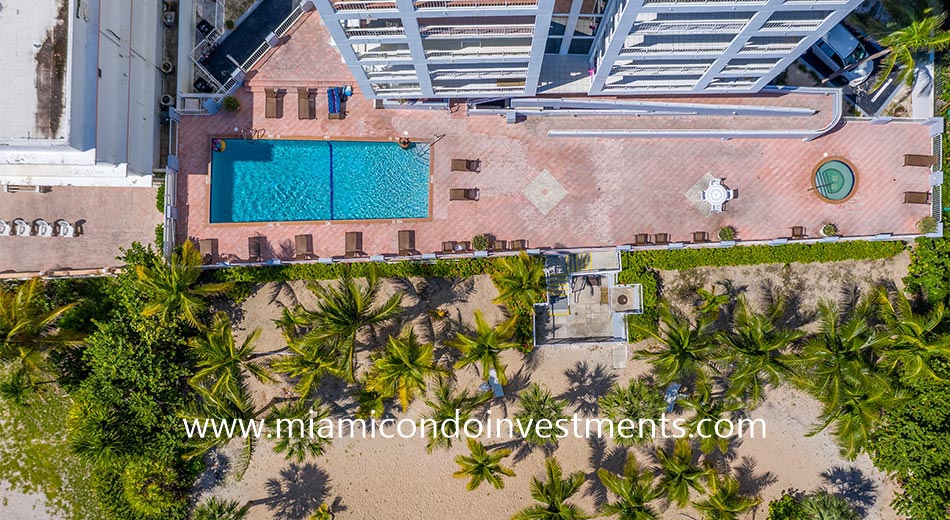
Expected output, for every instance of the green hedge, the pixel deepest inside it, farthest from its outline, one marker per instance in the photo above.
(460, 268)
(160, 199)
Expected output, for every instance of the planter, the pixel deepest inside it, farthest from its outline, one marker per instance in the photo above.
(168, 67)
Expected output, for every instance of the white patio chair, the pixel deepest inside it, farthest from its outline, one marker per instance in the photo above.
(21, 228)
(62, 228)
(729, 195)
(716, 208)
(5, 229)
(42, 227)
(715, 182)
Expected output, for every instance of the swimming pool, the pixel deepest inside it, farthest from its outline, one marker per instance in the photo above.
(282, 180)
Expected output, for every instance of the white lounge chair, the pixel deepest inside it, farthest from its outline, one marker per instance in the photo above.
(5, 228)
(42, 227)
(63, 228)
(21, 228)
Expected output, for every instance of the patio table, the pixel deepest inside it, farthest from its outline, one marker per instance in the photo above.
(716, 195)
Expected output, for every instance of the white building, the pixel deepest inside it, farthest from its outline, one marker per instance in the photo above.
(477, 48)
(80, 92)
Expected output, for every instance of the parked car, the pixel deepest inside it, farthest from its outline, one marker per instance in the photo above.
(838, 49)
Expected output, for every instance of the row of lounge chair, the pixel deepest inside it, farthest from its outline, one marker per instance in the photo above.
(39, 228)
(303, 246)
(306, 103)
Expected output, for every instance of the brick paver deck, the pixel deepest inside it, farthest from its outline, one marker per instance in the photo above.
(615, 188)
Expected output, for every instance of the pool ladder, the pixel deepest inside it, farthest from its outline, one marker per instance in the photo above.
(252, 134)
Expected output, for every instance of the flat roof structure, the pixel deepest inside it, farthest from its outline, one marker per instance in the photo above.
(575, 192)
(83, 104)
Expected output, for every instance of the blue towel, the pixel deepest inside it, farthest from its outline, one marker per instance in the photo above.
(333, 100)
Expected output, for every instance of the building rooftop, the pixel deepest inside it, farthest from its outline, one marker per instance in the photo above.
(593, 192)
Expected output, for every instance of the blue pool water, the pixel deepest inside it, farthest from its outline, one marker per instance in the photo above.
(286, 180)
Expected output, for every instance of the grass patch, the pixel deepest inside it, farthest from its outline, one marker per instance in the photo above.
(35, 458)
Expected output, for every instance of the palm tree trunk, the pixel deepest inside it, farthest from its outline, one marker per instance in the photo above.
(855, 65)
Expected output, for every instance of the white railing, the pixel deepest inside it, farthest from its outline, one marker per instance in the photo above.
(792, 25)
(384, 55)
(436, 31)
(289, 21)
(364, 6)
(474, 52)
(626, 88)
(703, 2)
(469, 4)
(479, 74)
(256, 55)
(205, 46)
(173, 137)
(631, 70)
(816, 1)
(751, 69)
(470, 89)
(376, 32)
(382, 74)
(689, 27)
(674, 49)
(767, 48)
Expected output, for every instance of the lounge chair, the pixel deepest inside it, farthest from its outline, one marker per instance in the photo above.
(519, 245)
(303, 247)
(41, 228)
(208, 248)
(798, 232)
(913, 159)
(916, 197)
(700, 237)
(661, 239)
(354, 244)
(5, 228)
(306, 103)
(641, 239)
(449, 246)
(497, 245)
(466, 165)
(407, 242)
(254, 247)
(270, 103)
(21, 228)
(463, 194)
(62, 228)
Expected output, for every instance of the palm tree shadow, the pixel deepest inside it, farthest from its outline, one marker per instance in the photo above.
(851, 485)
(526, 448)
(793, 315)
(279, 289)
(297, 492)
(849, 296)
(600, 458)
(749, 483)
(586, 386)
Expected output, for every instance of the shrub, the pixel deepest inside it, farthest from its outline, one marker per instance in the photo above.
(929, 270)
(786, 508)
(727, 233)
(927, 225)
(480, 242)
(231, 104)
(160, 199)
(229, 24)
(160, 237)
(829, 230)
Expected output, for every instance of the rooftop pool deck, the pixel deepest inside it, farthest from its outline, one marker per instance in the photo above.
(561, 192)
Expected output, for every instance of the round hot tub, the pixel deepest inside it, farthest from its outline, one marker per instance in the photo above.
(834, 180)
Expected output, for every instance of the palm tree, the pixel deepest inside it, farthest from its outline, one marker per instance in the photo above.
(520, 281)
(539, 414)
(679, 473)
(753, 350)
(843, 350)
(553, 495)
(344, 310)
(221, 362)
(172, 287)
(913, 32)
(707, 414)
(857, 410)
(912, 340)
(686, 347)
(638, 400)
(825, 506)
(298, 441)
(227, 408)
(307, 366)
(483, 348)
(724, 500)
(217, 509)
(444, 408)
(482, 466)
(403, 368)
(27, 331)
(634, 491)
(712, 302)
